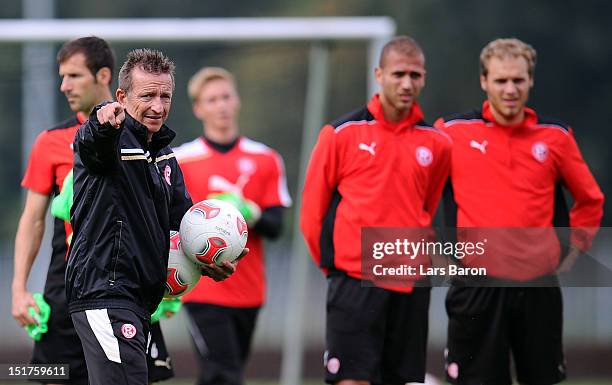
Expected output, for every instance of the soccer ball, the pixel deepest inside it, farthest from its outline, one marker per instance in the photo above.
(213, 231)
(182, 274)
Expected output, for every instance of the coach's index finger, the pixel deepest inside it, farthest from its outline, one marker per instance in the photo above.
(112, 113)
(119, 115)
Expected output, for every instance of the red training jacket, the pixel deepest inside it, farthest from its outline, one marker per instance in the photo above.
(50, 161)
(250, 169)
(505, 177)
(365, 171)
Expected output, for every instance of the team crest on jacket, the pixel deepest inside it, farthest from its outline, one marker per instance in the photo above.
(167, 172)
(539, 150)
(246, 166)
(424, 156)
(128, 330)
(333, 365)
(453, 370)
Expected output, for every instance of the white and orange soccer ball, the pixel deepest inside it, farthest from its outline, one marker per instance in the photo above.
(213, 231)
(182, 274)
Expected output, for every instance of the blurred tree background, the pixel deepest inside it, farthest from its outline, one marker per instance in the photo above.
(571, 37)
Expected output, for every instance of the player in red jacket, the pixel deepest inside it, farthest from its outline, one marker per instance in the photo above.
(225, 165)
(380, 166)
(85, 67)
(507, 165)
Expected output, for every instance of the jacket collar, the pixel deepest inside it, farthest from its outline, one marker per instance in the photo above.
(530, 120)
(81, 117)
(222, 148)
(159, 140)
(415, 115)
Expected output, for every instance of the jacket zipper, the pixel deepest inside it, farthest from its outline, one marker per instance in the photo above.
(114, 272)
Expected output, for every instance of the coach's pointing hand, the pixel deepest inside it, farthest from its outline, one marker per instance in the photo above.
(111, 113)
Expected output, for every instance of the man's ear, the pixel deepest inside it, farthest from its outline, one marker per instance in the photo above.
(378, 75)
(195, 107)
(104, 76)
(483, 83)
(121, 96)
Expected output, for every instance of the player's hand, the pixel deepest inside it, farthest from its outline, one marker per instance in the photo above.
(111, 113)
(569, 260)
(219, 273)
(245, 251)
(250, 210)
(172, 306)
(22, 300)
(216, 272)
(167, 308)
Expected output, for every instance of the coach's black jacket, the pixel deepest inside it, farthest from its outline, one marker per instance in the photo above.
(128, 195)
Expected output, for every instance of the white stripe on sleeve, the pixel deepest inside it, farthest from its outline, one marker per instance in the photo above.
(283, 192)
(132, 151)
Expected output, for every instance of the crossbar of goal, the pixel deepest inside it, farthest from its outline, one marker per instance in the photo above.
(198, 29)
(375, 30)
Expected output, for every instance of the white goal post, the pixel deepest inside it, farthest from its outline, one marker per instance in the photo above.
(373, 30)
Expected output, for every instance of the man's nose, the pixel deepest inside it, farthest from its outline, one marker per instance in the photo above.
(65, 86)
(510, 88)
(406, 83)
(157, 106)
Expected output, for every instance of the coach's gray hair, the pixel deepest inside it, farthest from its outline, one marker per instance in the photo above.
(148, 60)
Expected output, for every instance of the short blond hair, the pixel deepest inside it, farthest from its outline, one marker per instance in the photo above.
(508, 48)
(206, 75)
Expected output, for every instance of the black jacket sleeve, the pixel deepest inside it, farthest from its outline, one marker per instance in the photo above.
(97, 144)
(270, 224)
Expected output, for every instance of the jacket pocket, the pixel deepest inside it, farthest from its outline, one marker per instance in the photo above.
(115, 254)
